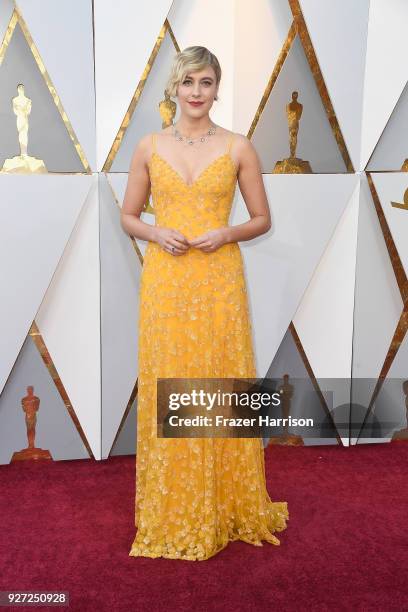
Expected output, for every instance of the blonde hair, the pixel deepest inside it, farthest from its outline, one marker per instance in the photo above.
(189, 60)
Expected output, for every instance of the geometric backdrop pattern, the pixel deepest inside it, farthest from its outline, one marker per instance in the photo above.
(80, 84)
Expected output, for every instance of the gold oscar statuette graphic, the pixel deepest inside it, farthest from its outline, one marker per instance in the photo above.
(404, 205)
(167, 109)
(402, 434)
(293, 164)
(286, 393)
(23, 163)
(31, 404)
(404, 167)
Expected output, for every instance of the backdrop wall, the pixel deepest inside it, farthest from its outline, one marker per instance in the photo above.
(327, 284)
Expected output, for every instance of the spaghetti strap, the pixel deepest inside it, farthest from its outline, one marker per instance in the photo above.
(231, 138)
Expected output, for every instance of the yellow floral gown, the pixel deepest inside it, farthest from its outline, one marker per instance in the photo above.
(194, 495)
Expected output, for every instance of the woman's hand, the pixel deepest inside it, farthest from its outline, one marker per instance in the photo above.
(211, 240)
(171, 240)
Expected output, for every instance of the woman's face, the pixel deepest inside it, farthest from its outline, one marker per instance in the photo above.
(199, 86)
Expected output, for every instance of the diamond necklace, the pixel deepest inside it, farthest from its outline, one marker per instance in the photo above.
(191, 141)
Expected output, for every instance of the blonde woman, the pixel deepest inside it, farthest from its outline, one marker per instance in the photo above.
(194, 495)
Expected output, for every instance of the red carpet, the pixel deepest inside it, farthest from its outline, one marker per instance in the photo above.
(68, 526)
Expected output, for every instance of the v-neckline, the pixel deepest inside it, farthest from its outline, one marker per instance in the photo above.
(178, 175)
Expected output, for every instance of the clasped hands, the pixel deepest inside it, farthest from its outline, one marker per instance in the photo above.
(175, 243)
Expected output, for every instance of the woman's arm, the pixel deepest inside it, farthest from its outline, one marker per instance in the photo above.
(253, 191)
(137, 192)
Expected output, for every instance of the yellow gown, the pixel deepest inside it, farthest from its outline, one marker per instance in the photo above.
(194, 495)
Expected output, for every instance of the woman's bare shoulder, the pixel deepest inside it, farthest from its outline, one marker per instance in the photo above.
(159, 134)
(144, 146)
(143, 150)
(145, 141)
(240, 142)
(243, 149)
(240, 139)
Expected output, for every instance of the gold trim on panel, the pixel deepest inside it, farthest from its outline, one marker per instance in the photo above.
(399, 271)
(135, 388)
(132, 238)
(172, 36)
(397, 339)
(8, 34)
(135, 98)
(319, 80)
(125, 415)
(17, 18)
(404, 167)
(312, 377)
(46, 357)
(299, 28)
(402, 281)
(272, 79)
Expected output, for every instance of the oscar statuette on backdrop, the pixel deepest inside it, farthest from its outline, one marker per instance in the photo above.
(293, 164)
(30, 404)
(23, 163)
(286, 392)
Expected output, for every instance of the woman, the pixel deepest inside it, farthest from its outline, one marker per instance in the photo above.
(195, 495)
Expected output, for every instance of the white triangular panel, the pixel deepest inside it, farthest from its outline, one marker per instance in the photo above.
(146, 116)
(378, 303)
(280, 264)
(67, 52)
(391, 187)
(377, 310)
(391, 150)
(305, 401)
(6, 11)
(316, 142)
(261, 28)
(386, 69)
(399, 366)
(38, 214)
(390, 405)
(324, 318)
(340, 47)
(55, 429)
(120, 279)
(69, 320)
(124, 40)
(126, 441)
